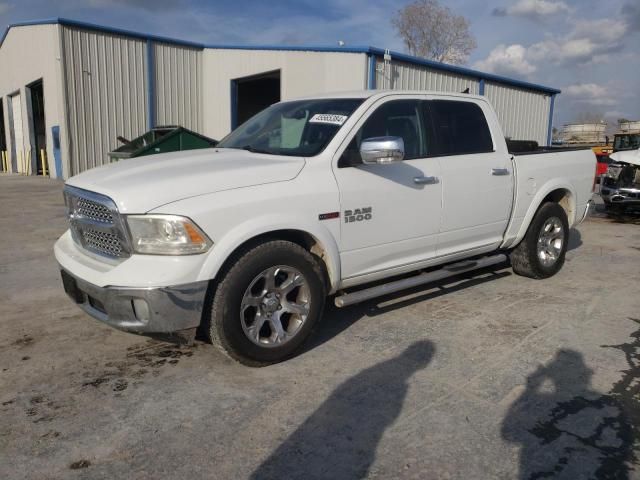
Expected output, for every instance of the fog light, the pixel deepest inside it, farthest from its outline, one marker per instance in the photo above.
(141, 309)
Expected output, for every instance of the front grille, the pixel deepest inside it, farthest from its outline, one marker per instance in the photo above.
(96, 224)
(94, 211)
(102, 242)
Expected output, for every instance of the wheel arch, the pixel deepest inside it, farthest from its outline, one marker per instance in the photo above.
(561, 193)
(319, 241)
(566, 199)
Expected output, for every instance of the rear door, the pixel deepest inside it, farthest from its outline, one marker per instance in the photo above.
(477, 180)
(390, 213)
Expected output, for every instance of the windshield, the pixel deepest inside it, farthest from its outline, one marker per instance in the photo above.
(301, 128)
(626, 142)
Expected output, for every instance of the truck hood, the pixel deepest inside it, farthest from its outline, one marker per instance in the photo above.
(627, 156)
(138, 185)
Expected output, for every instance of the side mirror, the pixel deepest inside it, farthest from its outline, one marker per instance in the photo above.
(382, 150)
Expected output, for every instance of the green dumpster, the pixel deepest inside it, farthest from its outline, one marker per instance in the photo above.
(161, 140)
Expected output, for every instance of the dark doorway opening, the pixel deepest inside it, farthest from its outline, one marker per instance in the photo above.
(3, 139)
(38, 130)
(250, 95)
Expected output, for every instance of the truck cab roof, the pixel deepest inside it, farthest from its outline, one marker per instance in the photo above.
(375, 94)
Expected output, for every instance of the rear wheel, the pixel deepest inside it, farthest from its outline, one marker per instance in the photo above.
(541, 252)
(267, 304)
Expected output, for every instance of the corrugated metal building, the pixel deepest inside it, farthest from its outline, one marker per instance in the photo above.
(69, 88)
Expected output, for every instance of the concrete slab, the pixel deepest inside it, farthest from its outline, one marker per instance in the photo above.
(494, 376)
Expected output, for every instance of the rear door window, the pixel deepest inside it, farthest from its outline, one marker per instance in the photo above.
(459, 128)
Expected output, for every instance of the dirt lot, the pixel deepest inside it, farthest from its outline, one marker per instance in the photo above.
(495, 376)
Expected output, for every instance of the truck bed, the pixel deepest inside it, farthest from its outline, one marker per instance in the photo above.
(529, 147)
(548, 169)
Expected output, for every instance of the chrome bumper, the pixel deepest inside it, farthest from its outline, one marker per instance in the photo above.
(142, 310)
(614, 197)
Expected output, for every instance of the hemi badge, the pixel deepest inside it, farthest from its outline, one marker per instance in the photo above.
(328, 216)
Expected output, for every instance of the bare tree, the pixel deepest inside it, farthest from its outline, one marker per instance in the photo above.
(432, 31)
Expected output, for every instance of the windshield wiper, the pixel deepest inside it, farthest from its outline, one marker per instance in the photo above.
(252, 149)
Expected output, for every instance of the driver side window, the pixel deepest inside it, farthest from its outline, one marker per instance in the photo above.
(397, 118)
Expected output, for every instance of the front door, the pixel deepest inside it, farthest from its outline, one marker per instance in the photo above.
(390, 213)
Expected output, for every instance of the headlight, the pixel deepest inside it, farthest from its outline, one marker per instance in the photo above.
(166, 235)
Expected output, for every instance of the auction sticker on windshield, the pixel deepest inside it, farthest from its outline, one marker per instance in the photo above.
(328, 118)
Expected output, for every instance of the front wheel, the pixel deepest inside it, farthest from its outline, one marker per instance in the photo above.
(541, 252)
(267, 304)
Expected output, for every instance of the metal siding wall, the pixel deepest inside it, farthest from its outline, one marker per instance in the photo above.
(406, 76)
(523, 114)
(178, 86)
(106, 93)
(302, 74)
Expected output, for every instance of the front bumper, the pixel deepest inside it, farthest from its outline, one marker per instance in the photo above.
(142, 309)
(613, 196)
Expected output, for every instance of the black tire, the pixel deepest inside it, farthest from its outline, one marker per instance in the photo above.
(224, 326)
(524, 258)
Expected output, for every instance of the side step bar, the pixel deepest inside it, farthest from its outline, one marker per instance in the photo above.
(447, 271)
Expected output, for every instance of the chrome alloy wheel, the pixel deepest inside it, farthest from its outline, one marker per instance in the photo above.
(275, 306)
(550, 241)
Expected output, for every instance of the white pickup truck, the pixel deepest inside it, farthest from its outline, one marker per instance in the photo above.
(313, 198)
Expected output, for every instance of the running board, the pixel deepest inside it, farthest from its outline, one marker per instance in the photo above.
(447, 271)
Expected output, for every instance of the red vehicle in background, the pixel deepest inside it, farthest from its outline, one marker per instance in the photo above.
(602, 157)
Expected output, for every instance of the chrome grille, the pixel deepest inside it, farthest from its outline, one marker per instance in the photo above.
(102, 242)
(94, 210)
(96, 224)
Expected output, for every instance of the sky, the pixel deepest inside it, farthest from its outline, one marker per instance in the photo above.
(590, 49)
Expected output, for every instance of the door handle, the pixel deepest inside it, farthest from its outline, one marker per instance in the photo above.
(499, 171)
(426, 180)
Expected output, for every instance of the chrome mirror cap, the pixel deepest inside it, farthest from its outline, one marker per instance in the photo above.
(382, 150)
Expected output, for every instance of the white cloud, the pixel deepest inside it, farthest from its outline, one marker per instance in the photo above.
(590, 93)
(507, 60)
(535, 9)
(585, 89)
(588, 41)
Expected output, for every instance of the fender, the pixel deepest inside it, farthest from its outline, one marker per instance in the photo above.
(550, 186)
(254, 227)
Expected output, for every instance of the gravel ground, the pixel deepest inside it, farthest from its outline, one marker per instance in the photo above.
(491, 376)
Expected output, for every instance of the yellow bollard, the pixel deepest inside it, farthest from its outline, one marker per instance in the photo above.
(43, 159)
(29, 170)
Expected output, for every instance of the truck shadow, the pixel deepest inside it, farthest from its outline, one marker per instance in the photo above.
(339, 440)
(337, 320)
(568, 430)
(575, 239)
